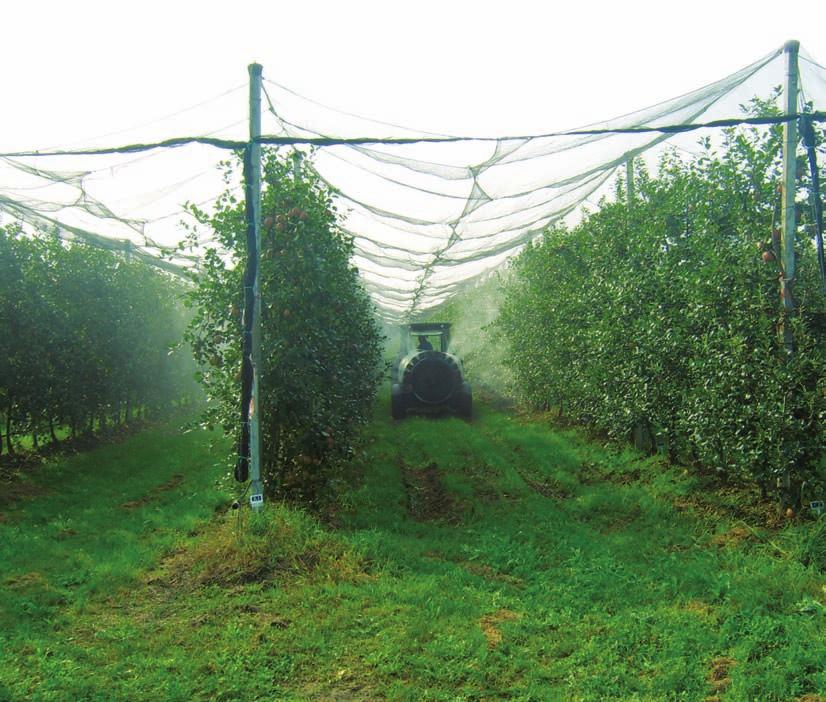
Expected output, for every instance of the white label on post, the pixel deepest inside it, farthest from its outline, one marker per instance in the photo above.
(257, 501)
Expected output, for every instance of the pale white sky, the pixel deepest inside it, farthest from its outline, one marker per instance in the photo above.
(76, 70)
(102, 73)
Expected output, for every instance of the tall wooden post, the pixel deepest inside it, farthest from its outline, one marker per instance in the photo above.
(254, 191)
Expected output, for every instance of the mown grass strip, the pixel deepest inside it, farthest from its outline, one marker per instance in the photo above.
(605, 590)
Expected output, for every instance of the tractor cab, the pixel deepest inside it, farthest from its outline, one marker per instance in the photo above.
(437, 335)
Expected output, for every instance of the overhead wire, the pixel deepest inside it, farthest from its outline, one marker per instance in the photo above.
(272, 140)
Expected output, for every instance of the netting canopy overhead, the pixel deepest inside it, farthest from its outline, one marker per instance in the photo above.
(130, 200)
(429, 213)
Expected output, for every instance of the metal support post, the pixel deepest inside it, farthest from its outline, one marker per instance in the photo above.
(257, 485)
(629, 181)
(788, 227)
(788, 215)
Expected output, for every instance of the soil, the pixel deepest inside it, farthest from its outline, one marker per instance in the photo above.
(490, 625)
(155, 492)
(427, 499)
(718, 675)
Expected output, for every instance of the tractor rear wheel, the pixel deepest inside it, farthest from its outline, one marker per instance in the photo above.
(463, 403)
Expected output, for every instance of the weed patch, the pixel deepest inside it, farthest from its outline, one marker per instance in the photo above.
(259, 548)
(812, 550)
(733, 537)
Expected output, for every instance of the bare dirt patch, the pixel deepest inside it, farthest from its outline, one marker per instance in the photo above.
(27, 581)
(155, 492)
(718, 676)
(548, 487)
(483, 570)
(348, 683)
(15, 489)
(490, 625)
(491, 398)
(590, 474)
(733, 537)
(427, 498)
(482, 476)
(700, 609)
(544, 485)
(714, 503)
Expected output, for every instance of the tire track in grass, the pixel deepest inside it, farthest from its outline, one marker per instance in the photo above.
(547, 488)
(427, 497)
(521, 463)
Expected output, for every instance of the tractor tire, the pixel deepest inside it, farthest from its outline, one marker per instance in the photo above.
(463, 404)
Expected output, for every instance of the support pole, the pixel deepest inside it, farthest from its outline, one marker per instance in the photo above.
(787, 213)
(788, 226)
(257, 485)
(629, 181)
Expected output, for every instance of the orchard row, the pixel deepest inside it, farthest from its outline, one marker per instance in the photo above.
(659, 316)
(87, 338)
(321, 346)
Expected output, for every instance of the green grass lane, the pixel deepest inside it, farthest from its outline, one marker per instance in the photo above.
(585, 580)
(499, 559)
(82, 531)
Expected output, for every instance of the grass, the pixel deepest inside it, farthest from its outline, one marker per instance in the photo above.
(494, 560)
(84, 529)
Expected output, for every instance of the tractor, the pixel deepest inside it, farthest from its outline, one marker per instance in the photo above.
(428, 379)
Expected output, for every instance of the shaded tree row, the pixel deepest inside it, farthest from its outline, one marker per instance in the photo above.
(86, 340)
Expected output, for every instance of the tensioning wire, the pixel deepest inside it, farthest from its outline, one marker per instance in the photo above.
(272, 140)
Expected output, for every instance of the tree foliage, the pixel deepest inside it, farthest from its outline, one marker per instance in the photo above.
(663, 316)
(86, 337)
(321, 344)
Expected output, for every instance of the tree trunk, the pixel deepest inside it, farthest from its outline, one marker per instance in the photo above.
(9, 443)
(52, 434)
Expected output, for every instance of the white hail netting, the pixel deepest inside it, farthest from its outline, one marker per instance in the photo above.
(131, 200)
(427, 218)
